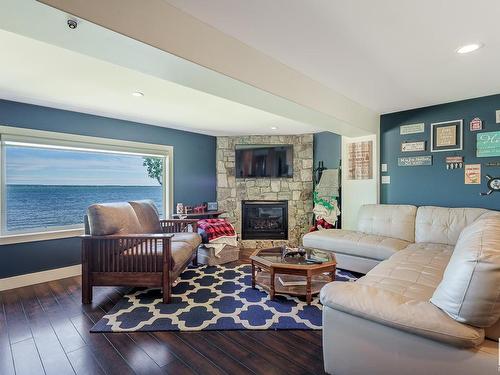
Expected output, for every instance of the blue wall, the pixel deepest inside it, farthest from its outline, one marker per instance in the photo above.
(194, 172)
(327, 147)
(434, 185)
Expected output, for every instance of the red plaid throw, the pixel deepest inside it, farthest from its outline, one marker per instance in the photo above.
(216, 228)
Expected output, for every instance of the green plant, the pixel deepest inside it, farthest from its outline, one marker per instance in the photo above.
(154, 168)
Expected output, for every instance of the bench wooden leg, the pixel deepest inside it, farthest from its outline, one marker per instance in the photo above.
(86, 292)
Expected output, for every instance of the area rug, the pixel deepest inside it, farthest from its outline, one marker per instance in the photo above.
(213, 298)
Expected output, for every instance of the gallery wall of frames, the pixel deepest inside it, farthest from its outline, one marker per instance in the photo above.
(445, 155)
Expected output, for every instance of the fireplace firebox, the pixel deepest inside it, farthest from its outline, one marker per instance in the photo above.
(264, 220)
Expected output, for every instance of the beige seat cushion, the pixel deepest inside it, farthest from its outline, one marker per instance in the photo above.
(387, 220)
(112, 218)
(443, 224)
(400, 312)
(396, 293)
(181, 252)
(147, 213)
(354, 243)
(470, 289)
(193, 239)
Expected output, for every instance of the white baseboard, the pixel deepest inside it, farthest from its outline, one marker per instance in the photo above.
(40, 277)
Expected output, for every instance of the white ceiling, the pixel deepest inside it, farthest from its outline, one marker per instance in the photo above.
(388, 55)
(63, 73)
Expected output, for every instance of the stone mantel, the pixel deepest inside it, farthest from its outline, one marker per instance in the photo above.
(297, 190)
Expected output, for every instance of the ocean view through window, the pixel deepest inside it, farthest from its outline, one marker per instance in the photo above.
(48, 187)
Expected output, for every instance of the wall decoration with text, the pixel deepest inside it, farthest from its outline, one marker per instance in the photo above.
(454, 162)
(446, 136)
(476, 124)
(412, 128)
(360, 160)
(472, 174)
(488, 144)
(414, 161)
(413, 146)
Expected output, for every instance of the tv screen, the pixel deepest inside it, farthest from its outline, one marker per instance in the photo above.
(255, 161)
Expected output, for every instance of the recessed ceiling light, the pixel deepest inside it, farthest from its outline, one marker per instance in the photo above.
(138, 94)
(469, 48)
(274, 128)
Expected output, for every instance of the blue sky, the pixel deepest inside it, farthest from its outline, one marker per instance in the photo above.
(39, 166)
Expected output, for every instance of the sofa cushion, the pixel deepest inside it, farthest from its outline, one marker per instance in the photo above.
(470, 289)
(193, 239)
(396, 293)
(442, 224)
(112, 218)
(400, 312)
(396, 221)
(414, 272)
(181, 252)
(354, 243)
(148, 215)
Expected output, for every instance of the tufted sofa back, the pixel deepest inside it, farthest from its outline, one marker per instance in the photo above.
(443, 225)
(396, 221)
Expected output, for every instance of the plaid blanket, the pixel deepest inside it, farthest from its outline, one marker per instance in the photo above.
(216, 228)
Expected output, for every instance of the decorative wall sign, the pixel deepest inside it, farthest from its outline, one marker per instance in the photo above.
(454, 162)
(476, 124)
(446, 136)
(472, 174)
(413, 146)
(492, 164)
(493, 184)
(414, 161)
(488, 144)
(360, 160)
(412, 128)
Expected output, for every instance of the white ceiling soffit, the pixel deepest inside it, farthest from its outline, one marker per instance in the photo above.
(388, 55)
(39, 73)
(257, 80)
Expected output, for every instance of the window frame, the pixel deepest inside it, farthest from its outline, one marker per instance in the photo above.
(76, 142)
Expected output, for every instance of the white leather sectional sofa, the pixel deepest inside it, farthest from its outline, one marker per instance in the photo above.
(431, 302)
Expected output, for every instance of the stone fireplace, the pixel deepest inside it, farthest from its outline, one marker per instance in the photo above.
(232, 192)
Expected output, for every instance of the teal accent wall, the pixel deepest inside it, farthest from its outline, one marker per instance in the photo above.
(434, 185)
(327, 147)
(194, 172)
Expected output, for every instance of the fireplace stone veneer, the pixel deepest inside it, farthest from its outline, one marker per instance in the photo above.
(297, 191)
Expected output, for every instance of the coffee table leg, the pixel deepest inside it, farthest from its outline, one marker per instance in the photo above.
(271, 292)
(308, 290)
(253, 275)
(332, 274)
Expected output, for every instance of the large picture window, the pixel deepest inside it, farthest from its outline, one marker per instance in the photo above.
(47, 184)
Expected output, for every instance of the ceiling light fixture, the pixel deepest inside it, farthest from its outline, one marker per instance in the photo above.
(138, 94)
(468, 48)
(274, 128)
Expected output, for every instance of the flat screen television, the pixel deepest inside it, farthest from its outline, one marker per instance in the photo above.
(257, 161)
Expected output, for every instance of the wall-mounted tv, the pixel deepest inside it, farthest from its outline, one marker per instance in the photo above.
(257, 161)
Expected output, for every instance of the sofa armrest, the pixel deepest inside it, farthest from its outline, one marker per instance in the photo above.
(400, 312)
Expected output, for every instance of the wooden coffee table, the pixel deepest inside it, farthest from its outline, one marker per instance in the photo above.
(267, 263)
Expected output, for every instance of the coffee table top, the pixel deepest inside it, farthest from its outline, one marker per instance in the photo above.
(273, 257)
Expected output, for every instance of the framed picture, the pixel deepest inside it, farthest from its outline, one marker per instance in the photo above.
(413, 146)
(212, 206)
(447, 136)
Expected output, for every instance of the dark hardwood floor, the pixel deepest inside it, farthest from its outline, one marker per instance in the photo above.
(44, 329)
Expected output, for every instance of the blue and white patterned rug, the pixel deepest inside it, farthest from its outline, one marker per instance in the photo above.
(213, 298)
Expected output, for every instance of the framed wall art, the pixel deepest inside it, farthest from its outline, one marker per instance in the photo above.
(360, 160)
(413, 146)
(488, 144)
(447, 136)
